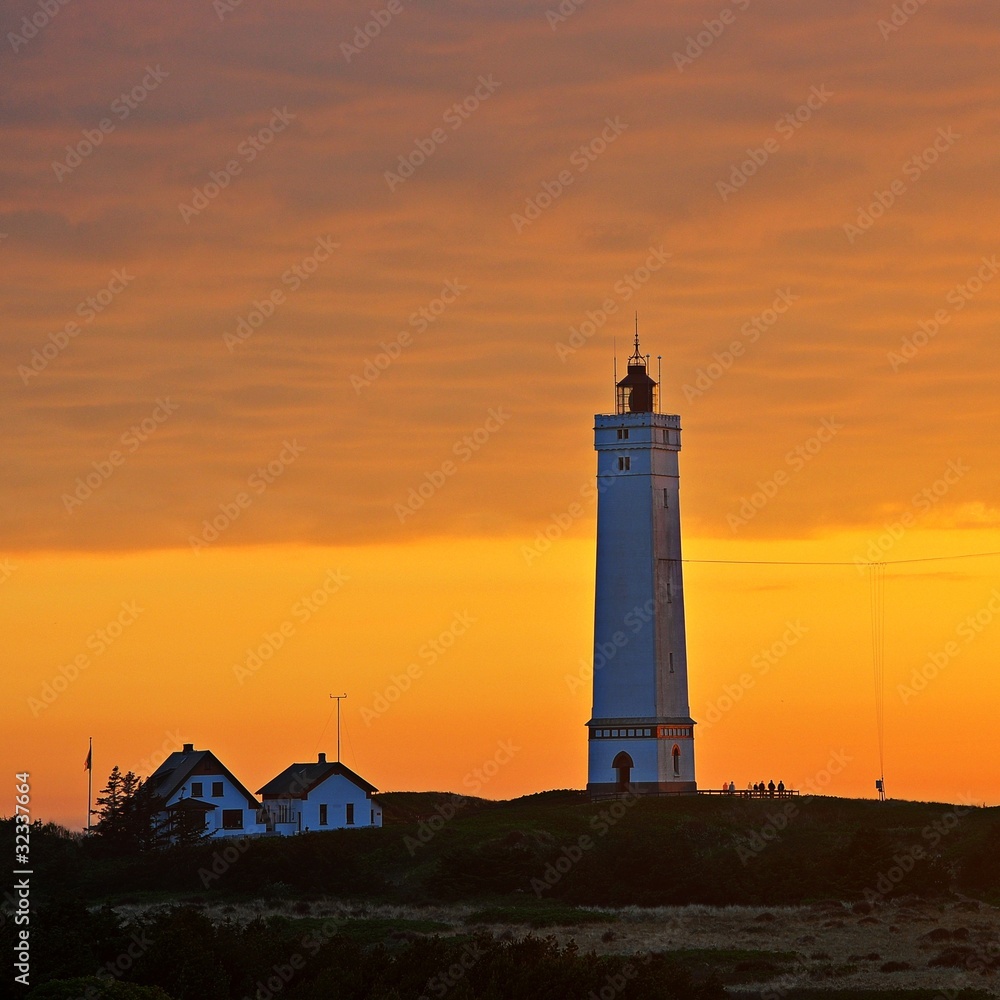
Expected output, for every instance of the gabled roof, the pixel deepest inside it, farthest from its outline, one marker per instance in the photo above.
(181, 765)
(298, 780)
(191, 805)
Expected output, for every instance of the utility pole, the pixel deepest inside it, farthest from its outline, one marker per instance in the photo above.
(340, 698)
(90, 783)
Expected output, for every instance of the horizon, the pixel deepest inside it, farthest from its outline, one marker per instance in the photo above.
(796, 798)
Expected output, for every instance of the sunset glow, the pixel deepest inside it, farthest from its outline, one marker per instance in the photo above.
(307, 314)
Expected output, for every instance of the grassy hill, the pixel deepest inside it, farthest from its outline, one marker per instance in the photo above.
(558, 847)
(388, 911)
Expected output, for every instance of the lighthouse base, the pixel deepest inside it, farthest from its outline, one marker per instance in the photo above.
(612, 790)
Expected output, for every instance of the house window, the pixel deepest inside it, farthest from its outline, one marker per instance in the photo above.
(197, 790)
(622, 433)
(624, 464)
(350, 814)
(232, 819)
(216, 789)
(322, 814)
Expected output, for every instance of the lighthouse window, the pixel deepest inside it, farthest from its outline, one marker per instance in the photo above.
(624, 464)
(663, 587)
(677, 759)
(622, 433)
(666, 498)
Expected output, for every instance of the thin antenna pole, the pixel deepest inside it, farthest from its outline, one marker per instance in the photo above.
(614, 353)
(659, 383)
(340, 698)
(90, 783)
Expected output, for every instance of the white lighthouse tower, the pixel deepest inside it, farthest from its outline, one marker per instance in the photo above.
(641, 731)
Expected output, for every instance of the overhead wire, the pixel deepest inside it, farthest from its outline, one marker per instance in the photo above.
(797, 562)
(876, 598)
(323, 733)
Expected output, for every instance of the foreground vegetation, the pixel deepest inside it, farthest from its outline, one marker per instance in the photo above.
(531, 863)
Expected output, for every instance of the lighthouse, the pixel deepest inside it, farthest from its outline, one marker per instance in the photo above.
(641, 734)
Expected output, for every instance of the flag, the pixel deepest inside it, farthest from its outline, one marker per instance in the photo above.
(87, 762)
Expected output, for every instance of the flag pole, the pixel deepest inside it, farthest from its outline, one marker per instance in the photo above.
(90, 782)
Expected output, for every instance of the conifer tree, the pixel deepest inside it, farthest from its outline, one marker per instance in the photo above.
(130, 815)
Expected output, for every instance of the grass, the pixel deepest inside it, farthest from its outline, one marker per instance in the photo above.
(656, 852)
(538, 914)
(812, 994)
(736, 966)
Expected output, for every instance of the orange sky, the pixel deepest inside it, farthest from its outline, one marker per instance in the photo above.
(448, 229)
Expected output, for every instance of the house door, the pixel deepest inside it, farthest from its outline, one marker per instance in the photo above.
(623, 771)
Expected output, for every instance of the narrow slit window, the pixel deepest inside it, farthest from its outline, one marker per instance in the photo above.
(664, 591)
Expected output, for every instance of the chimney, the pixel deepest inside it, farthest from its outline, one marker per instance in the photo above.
(188, 748)
(322, 759)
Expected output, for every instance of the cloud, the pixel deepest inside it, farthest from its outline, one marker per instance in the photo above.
(323, 174)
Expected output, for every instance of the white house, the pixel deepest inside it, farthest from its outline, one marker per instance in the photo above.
(318, 796)
(201, 795)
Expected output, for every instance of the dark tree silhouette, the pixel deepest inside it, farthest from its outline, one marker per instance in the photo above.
(130, 815)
